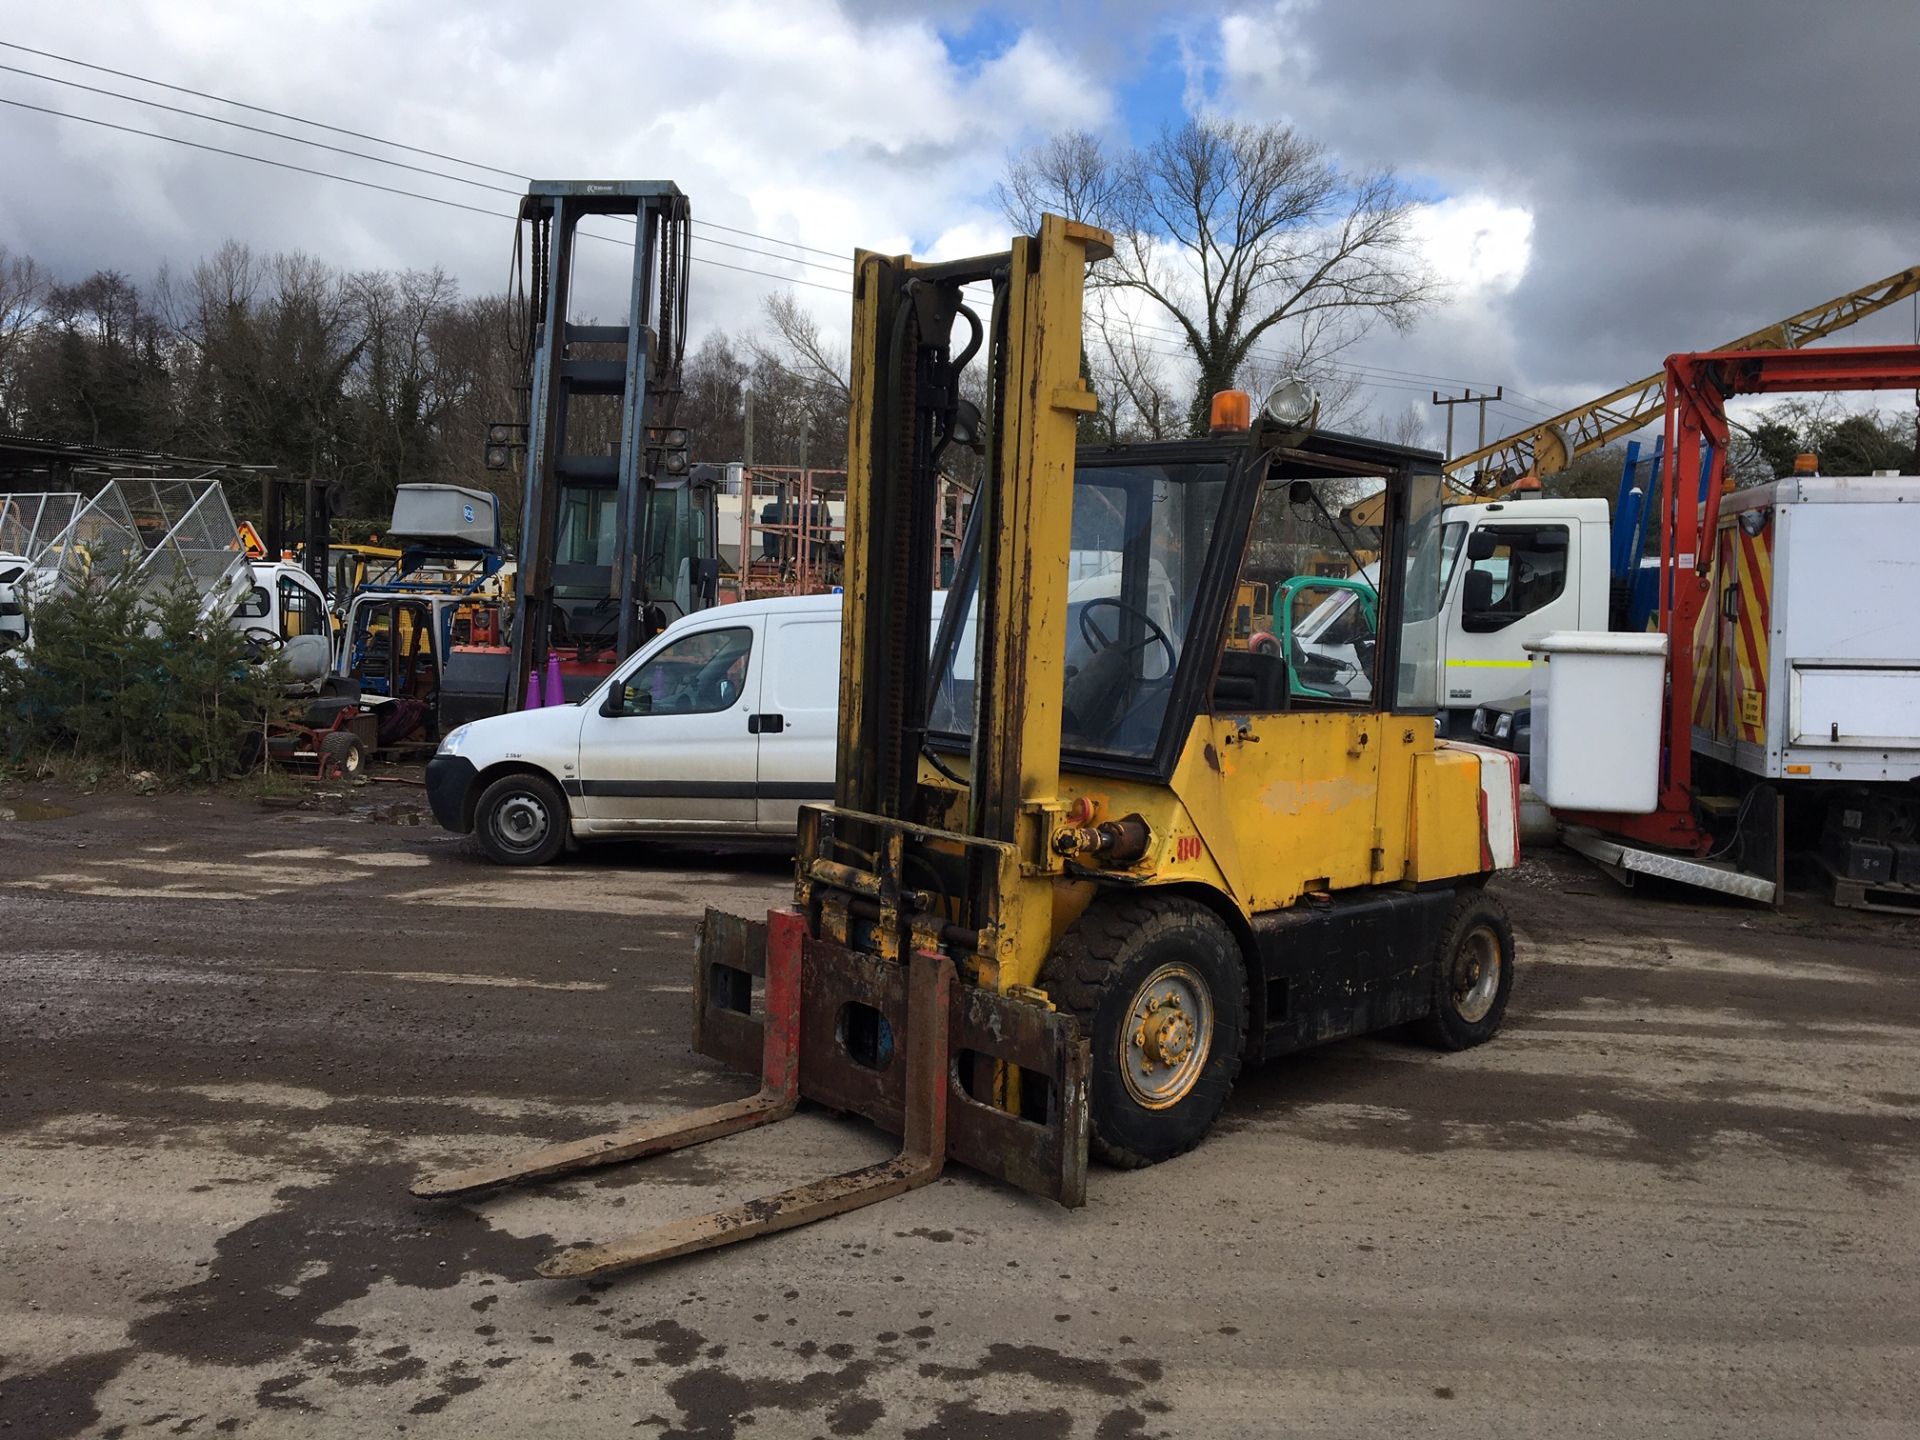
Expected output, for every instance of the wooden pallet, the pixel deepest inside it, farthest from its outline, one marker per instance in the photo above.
(1886, 899)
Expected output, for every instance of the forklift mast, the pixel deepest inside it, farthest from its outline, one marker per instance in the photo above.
(585, 520)
(906, 381)
(298, 515)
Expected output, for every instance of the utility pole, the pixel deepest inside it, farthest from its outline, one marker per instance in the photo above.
(1468, 399)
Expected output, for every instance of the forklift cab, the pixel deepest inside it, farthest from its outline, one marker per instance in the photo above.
(1163, 536)
(393, 648)
(283, 603)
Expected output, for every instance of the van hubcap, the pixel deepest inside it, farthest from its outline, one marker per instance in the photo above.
(521, 822)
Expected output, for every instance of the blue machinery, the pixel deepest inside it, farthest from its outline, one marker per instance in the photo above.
(1638, 577)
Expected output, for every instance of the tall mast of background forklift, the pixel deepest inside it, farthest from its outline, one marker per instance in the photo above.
(298, 514)
(579, 506)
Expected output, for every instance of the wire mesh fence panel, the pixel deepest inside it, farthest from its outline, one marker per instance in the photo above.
(29, 523)
(202, 542)
(101, 539)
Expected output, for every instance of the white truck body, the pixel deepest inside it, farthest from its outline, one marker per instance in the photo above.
(1807, 658)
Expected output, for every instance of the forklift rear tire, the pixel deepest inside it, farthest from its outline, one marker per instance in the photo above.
(1159, 987)
(1473, 973)
(342, 755)
(521, 820)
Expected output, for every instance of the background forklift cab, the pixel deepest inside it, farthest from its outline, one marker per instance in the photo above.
(283, 603)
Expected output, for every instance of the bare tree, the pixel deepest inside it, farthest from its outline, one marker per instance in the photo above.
(797, 345)
(1407, 426)
(1069, 174)
(801, 389)
(1238, 234)
(24, 285)
(1128, 371)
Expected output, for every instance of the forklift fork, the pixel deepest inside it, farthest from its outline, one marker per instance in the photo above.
(925, 1053)
(776, 1099)
(921, 1158)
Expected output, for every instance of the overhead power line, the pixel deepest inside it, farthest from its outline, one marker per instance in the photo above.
(353, 134)
(1375, 377)
(256, 109)
(383, 189)
(389, 161)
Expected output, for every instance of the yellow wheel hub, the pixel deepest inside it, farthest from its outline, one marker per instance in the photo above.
(1167, 1037)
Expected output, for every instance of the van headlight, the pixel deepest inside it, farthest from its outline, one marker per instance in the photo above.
(455, 739)
(1482, 721)
(1503, 727)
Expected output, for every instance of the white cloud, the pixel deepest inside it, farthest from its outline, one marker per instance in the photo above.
(790, 119)
(1476, 244)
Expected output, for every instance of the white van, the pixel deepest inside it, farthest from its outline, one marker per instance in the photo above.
(718, 728)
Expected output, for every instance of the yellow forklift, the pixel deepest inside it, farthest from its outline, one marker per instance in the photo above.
(1087, 854)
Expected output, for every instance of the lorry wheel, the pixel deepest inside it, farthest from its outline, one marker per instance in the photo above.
(521, 820)
(1159, 987)
(342, 754)
(1472, 973)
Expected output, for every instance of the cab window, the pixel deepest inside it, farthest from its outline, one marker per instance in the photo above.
(698, 674)
(1512, 571)
(1314, 627)
(301, 612)
(256, 605)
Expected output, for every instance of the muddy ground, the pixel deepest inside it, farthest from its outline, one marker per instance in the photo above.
(1680, 1194)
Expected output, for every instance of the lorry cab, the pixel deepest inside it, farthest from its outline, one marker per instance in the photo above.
(1517, 570)
(721, 727)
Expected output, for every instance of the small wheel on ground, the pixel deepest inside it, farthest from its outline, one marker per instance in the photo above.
(342, 755)
(1472, 973)
(1159, 987)
(521, 820)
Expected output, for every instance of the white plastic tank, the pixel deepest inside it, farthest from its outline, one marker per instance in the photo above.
(1597, 698)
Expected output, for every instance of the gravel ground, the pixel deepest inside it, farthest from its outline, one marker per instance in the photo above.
(1677, 1195)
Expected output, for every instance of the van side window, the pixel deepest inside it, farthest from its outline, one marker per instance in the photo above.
(1512, 571)
(696, 675)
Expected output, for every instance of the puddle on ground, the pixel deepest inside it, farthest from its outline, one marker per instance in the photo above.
(32, 810)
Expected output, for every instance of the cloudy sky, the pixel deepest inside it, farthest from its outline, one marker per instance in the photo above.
(1605, 183)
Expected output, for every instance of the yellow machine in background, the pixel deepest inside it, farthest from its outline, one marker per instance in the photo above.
(1094, 853)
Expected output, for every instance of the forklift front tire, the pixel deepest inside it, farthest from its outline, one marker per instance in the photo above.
(1472, 973)
(521, 820)
(1159, 987)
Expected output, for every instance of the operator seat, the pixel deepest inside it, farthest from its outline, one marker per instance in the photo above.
(308, 658)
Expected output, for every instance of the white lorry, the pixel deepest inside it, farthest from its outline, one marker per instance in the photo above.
(1511, 571)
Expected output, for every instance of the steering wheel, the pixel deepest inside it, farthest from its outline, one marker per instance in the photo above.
(261, 635)
(1097, 640)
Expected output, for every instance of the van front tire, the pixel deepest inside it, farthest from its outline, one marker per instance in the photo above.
(521, 820)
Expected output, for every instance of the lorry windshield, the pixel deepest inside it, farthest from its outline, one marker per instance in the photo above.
(1141, 534)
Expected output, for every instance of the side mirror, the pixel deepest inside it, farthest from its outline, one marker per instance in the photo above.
(1481, 544)
(627, 700)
